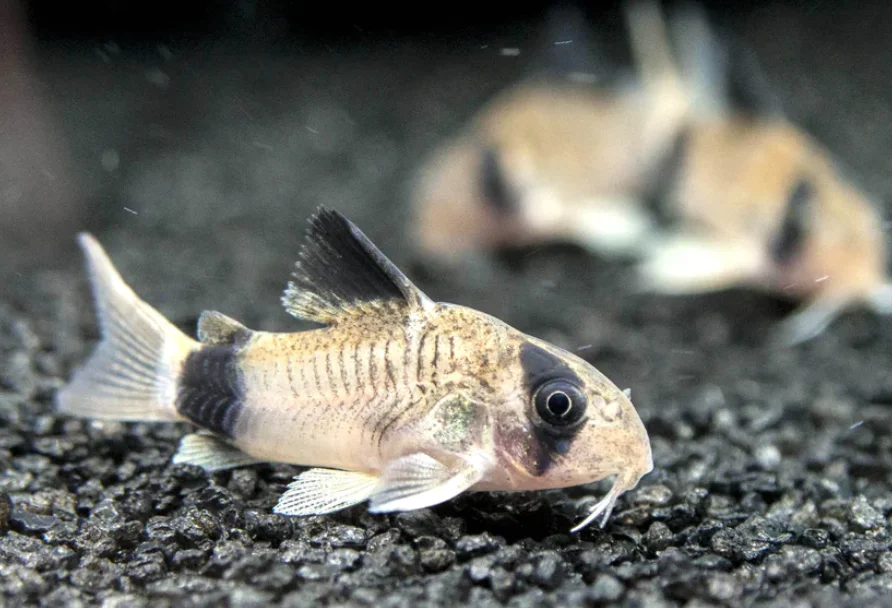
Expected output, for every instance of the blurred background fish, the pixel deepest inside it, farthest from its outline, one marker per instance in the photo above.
(692, 167)
(559, 157)
(756, 201)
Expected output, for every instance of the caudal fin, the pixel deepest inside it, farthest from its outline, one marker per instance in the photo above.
(132, 374)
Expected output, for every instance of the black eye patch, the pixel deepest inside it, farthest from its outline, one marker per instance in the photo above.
(557, 404)
(494, 184)
(539, 366)
(657, 193)
(791, 235)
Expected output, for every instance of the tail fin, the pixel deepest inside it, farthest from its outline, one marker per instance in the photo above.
(132, 374)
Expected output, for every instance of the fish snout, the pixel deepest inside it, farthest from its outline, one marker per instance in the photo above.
(622, 450)
(634, 459)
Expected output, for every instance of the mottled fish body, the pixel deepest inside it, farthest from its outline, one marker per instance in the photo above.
(396, 399)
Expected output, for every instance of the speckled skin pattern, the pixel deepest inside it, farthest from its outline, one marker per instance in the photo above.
(361, 393)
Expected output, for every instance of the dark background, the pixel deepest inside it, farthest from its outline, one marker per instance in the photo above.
(195, 139)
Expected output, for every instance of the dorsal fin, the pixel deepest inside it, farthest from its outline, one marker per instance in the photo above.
(341, 273)
(216, 328)
(701, 60)
(722, 72)
(749, 89)
(794, 225)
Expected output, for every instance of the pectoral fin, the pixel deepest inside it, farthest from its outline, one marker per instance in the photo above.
(685, 263)
(419, 480)
(320, 491)
(210, 453)
(612, 226)
(808, 322)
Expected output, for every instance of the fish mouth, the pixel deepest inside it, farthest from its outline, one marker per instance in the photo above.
(604, 507)
(622, 482)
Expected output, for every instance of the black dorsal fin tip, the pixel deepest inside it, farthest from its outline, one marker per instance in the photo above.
(341, 272)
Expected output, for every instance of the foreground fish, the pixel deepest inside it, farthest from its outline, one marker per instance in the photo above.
(399, 400)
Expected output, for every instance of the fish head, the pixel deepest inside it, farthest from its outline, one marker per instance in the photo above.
(566, 424)
(841, 253)
(462, 204)
(838, 263)
(823, 239)
(759, 202)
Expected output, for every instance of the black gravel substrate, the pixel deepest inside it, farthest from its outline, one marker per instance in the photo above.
(773, 479)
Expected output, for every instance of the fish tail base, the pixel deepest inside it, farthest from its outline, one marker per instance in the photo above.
(132, 375)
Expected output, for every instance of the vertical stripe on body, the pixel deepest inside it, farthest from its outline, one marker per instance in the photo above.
(397, 361)
(210, 391)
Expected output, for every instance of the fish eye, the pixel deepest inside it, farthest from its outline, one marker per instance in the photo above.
(560, 403)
